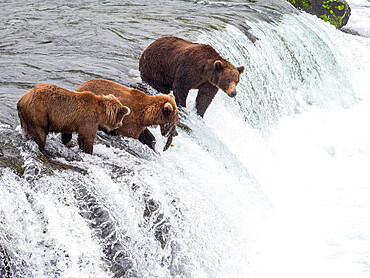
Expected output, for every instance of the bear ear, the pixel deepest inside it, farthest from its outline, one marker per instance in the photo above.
(122, 112)
(240, 69)
(167, 108)
(126, 110)
(172, 96)
(218, 65)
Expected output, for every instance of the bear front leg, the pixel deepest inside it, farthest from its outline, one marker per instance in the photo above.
(147, 138)
(206, 93)
(66, 138)
(180, 97)
(181, 93)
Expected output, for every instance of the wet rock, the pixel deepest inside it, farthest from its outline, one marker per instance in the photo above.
(117, 256)
(5, 264)
(161, 224)
(336, 12)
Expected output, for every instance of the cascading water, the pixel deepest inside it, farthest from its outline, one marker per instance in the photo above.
(271, 183)
(310, 155)
(291, 65)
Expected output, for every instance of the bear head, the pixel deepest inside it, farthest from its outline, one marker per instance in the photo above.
(114, 112)
(165, 114)
(226, 76)
(172, 118)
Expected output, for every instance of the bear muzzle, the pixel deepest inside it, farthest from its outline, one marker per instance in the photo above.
(174, 132)
(231, 91)
(169, 129)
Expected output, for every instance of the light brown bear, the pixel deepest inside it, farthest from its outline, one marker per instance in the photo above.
(145, 110)
(49, 108)
(171, 63)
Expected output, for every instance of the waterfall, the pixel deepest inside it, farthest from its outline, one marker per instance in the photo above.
(292, 64)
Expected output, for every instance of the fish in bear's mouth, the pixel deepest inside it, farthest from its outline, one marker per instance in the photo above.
(168, 143)
(170, 132)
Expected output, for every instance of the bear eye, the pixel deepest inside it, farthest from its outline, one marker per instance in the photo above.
(228, 80)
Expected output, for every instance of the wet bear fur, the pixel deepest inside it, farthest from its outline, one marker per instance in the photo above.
(145, 110)
(171, 63)
(48, 108)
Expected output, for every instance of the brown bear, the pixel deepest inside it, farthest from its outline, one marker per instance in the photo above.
(49, 108)
(145, 110)
(171, 63)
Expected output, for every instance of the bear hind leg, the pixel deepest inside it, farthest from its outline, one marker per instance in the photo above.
(180, 96)
(206, 93)
(164, 89)
(180, 92)
(39, 136)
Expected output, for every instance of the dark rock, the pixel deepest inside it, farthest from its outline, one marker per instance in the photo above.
(337, 12)
(5, 264)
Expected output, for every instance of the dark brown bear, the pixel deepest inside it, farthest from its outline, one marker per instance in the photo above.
(145, 110)
(171, 63)
(49, 108)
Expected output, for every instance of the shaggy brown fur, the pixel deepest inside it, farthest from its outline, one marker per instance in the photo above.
(145, 110)
(171, 63)
(49, 108)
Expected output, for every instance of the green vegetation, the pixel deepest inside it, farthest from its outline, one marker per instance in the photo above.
(336, 12)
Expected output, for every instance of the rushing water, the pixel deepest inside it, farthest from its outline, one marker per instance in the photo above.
(273, 183)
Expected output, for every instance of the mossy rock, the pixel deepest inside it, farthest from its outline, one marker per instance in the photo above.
(336, 12)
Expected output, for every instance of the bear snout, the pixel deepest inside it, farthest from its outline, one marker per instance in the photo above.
(231, 93)
(174, 132)
(169, 129)
(231, 90)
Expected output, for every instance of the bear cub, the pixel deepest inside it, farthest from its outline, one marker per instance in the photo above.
(171, 63)
(48, 108)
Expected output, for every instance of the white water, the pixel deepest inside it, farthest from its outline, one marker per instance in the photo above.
(283, 192)
(313, 166)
